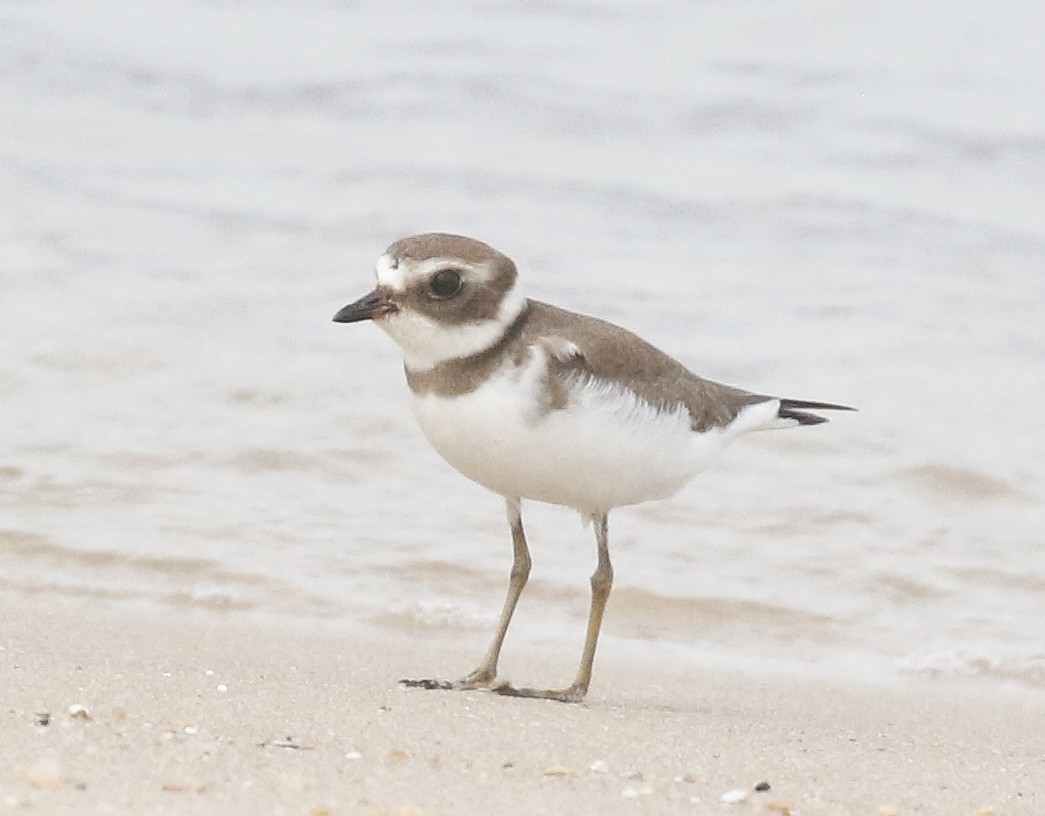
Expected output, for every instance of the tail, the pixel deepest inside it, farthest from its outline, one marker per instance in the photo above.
(788, 410)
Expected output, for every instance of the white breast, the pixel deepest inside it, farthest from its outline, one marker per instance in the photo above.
(605, 449)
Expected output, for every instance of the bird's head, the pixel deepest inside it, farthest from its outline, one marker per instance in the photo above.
(440, 297)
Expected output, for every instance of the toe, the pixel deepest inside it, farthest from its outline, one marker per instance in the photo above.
(426, 683)
(573, 694)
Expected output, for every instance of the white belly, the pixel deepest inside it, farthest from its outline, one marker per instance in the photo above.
(605, 449)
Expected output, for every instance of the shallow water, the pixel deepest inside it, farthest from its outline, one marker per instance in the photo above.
(838, 203)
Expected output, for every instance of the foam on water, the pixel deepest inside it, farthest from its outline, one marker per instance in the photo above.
(839, 205)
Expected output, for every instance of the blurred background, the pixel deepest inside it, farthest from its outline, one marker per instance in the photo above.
(839, 201)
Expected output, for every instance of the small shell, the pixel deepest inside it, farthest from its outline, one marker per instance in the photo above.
(733, 797)
(44, 773)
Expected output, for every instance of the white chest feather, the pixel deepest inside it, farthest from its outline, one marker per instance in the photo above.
(604, 448)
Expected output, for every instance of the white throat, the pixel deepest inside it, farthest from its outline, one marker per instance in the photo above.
(426, 343)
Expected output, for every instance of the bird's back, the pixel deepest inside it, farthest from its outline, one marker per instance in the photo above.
(615, 355)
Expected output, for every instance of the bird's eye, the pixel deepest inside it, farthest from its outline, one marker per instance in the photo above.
(445, 284)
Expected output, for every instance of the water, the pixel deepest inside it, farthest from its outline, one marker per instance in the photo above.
(829, 202)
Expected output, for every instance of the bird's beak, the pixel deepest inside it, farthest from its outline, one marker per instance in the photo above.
(373, 305)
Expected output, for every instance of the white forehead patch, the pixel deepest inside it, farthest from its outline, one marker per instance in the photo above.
(390, 274)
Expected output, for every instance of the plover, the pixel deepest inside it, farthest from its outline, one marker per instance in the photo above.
(535, 402)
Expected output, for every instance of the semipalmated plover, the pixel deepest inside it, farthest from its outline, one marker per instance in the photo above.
(535, 402)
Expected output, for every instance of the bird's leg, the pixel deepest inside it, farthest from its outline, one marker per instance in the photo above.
(601, 584)
(486, 673)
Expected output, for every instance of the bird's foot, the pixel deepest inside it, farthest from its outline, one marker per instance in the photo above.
(479, 679)
(573, 694)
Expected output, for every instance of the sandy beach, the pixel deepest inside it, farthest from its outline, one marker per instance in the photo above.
(119, 713)
(224, 538)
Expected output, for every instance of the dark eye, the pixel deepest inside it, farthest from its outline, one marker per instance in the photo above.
(445, 284)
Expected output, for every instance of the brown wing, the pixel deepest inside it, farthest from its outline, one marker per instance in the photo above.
(588, 346)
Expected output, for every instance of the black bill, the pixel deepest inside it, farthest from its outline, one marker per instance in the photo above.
(374, 304)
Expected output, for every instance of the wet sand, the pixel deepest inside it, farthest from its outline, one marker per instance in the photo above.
(210, 715)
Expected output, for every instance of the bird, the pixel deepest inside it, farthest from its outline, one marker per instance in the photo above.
(539, 403)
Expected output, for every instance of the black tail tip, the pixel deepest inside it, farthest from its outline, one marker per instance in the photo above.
(789, 410)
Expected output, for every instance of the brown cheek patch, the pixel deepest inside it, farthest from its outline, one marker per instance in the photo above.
(479, 299)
